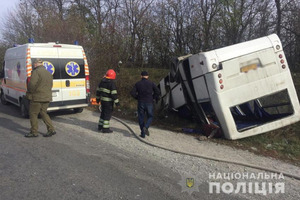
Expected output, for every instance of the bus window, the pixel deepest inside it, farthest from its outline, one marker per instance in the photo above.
(262, 110)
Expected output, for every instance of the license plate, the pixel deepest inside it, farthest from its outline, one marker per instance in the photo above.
(248, 68)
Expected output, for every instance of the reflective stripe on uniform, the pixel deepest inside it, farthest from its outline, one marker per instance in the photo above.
(106, 99)
(114, 92)
(104, 90)
(100, 122)
(105, 124)
(116, 101)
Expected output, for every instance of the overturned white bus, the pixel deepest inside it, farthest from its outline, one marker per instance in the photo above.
(245, 89)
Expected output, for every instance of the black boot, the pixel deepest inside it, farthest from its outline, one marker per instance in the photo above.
(31, 135)
(49, 133)
(106, 130)
(100, 128)
(146, 131)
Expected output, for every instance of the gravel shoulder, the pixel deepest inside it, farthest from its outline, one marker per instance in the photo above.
(180, 163)
(78, 133)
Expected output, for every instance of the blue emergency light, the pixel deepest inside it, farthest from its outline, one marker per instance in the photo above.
(31, 40)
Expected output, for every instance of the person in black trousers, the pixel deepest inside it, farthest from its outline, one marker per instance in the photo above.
(107, 94)
(145, 91)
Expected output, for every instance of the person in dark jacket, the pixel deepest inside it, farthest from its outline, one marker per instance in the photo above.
(145, 91)
(39, 93)
(107, 94)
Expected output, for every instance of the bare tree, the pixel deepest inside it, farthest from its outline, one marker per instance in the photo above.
(279, 13)
(209, 10)
(20, 25)
(150, 32)
(160, 36)
(237, 16)
(290, 32)
(136, 12)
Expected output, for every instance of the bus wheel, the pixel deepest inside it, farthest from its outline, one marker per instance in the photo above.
(78, 110)
(3, 100)
(24, 110)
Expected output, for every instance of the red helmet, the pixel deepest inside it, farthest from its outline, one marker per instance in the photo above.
(110, 74)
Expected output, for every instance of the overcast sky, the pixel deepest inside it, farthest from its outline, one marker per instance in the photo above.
(6, 6)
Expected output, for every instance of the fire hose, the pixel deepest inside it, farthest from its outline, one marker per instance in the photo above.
(203, 156)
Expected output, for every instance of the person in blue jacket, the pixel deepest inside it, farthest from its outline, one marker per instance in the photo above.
(146, 92)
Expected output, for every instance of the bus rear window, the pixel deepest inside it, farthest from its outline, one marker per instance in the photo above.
(262, 110)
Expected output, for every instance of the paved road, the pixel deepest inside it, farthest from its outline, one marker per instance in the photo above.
(80, 163)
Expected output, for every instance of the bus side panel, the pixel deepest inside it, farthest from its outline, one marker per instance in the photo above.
(223, 101)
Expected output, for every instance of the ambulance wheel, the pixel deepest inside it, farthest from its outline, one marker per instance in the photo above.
(3, 100)
(24, 111)
(78, 110)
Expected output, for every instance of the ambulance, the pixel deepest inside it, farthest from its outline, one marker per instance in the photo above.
(68, 65)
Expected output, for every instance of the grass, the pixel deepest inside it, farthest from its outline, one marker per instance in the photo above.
(282, 143)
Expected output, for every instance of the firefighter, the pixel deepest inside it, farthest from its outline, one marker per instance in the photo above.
(107, 95)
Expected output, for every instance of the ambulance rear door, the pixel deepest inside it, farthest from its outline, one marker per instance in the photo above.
(72, 77)
(49, 55)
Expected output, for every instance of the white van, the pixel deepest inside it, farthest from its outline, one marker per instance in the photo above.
(67, 64)
(246, 89)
